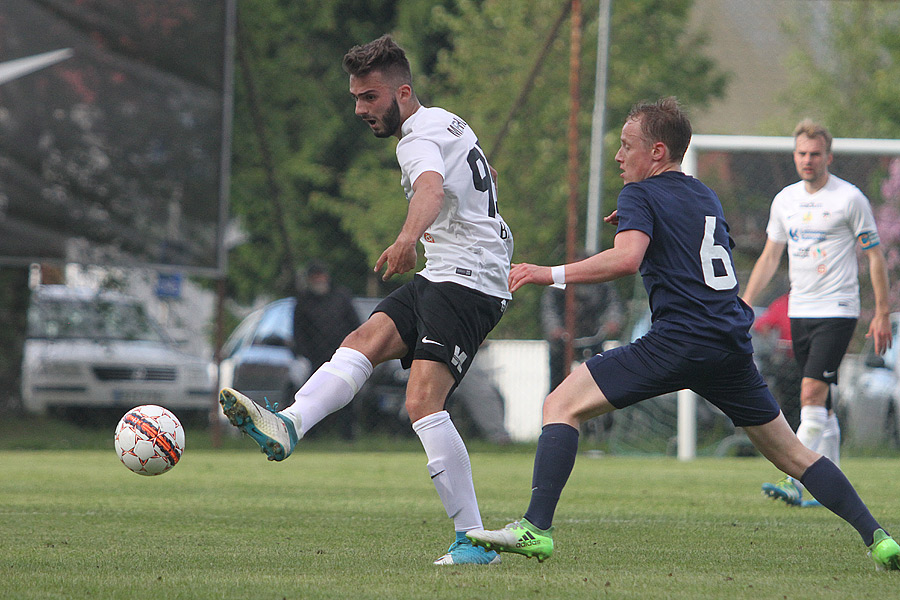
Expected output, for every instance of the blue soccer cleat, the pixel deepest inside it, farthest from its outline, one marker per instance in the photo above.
(463, 552)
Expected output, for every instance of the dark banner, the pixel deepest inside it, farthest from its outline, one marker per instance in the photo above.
(114, 118)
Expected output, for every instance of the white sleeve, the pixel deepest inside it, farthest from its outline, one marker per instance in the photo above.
(862, 221)
(417, 155)
(775, 230)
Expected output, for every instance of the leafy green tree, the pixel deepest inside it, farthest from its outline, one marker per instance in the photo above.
(294, 138)
(848, 72)
(492, 47)
(340, 186)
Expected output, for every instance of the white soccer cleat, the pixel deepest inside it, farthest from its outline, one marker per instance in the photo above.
(275, 434)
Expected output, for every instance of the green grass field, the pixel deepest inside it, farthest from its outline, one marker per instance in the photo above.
(367, 524)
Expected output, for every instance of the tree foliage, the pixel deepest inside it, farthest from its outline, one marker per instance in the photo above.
(291, 99)
(340, 186)
(849, 78)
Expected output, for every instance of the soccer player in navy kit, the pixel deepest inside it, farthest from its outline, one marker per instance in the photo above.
(433, 324)
(672, 229)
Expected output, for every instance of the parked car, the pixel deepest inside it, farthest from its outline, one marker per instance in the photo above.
(868, 403)
(88, 349)
(258, 360)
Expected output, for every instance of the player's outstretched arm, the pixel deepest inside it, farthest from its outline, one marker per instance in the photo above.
(424, 207)
(624, 258)
(523, 273)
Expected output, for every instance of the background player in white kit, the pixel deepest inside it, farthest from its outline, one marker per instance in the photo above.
(433, 324)
(819, 220)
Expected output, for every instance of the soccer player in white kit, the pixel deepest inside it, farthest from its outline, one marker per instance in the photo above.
(819, 220)
(433, 324)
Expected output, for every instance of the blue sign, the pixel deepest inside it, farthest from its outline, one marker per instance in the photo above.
(168, 285)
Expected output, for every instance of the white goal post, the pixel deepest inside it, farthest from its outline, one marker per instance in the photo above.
(687, 401)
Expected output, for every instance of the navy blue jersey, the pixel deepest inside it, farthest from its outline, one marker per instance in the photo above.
(688, 270)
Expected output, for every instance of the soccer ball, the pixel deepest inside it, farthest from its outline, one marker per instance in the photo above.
(149, 440)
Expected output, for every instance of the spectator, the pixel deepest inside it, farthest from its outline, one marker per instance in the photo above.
(323, 317)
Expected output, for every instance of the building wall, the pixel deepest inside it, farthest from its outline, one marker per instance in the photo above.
(747, 39)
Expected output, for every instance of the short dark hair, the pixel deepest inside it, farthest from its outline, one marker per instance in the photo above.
(664, 121)
(382, 55)
(317, 267)
(812, 130)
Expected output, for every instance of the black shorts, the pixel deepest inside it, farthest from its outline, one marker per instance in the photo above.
(445, 322)
(820, 345)
(651, 366)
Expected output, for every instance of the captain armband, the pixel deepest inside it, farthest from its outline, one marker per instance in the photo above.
(868, 239)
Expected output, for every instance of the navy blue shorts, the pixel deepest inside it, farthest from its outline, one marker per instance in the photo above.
(444, 322)
(651, 366)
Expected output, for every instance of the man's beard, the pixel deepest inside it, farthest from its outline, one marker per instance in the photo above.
(390, 120)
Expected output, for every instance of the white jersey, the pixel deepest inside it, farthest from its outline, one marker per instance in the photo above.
(468, 243)
(820, 231)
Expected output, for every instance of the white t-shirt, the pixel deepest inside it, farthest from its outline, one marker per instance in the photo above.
(468, 243)
(820, 230)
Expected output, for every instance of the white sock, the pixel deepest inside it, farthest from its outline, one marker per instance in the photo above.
(450, 469)
(812, 425)
(830, 445)
(329, 389)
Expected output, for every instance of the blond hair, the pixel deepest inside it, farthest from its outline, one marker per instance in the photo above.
(811, 129)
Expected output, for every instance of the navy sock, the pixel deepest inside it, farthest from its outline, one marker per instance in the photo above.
(553, 462)
(832, 489)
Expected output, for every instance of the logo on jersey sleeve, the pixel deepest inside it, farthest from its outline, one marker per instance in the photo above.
(868, 239)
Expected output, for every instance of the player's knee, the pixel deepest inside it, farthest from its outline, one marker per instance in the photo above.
(560, 408)
(419, 407)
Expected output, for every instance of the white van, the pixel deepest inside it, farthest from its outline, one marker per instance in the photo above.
(100, 349)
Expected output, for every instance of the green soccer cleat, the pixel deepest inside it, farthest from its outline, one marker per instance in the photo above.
(520, 537)
(462, 552)
(885, 552)
(785, 490)
(275, 434)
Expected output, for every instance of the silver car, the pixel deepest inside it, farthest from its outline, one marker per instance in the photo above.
(869, 395)
(90, 349)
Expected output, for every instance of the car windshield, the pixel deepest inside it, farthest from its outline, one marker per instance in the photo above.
(93, 320)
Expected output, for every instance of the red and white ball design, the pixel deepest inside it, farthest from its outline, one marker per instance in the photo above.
(149, 440)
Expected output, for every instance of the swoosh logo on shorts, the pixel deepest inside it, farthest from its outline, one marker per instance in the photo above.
(426, 340)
